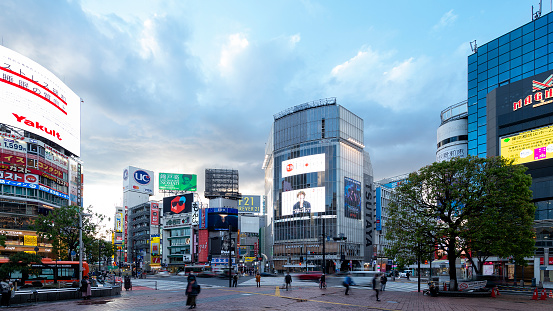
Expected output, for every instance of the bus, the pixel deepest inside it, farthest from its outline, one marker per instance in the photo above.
(49, 271)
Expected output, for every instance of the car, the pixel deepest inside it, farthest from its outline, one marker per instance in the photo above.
(164, 273)
(310, 276)
(267, 274)
(182, 273)
(206, 274)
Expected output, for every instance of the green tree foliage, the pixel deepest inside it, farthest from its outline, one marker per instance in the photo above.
(471, 207)
(100, 249)
(61, 227)
(3, 240)
(20, 261)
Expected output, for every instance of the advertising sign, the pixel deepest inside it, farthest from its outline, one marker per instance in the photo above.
(249, 224)
(30, 240)
(155, 245)
(528, 146)
(154, 213)
(308, 200)
(352, 199)
(195, 213)
(138, 180)
(178, 182)
(221, 221)
(37, 101)
(118, 222)
(203, 250)
(378, 213)
(302, 165)
(178, 204)
(249, 204)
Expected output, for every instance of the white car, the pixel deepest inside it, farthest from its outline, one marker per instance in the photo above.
(182, 273)
(163, 273)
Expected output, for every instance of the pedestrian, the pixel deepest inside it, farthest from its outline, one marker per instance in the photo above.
(190, 277)
(383, 280)
(6, 287)
(258, 279)
(408, 274)
(235, 280)
(288, 281)
(192, 291)
(376, 285)
(128, 283)
(86, 289)
(348, 281)
(322, 281)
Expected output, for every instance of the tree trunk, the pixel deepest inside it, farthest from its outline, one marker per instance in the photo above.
(452, 258)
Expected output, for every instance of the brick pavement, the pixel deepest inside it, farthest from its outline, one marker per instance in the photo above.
(300, 298)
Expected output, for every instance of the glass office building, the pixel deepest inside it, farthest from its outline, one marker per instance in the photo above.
(318, 176)
(521, 53)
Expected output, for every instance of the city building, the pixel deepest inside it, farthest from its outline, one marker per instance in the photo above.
(508, 114)
(144, 236)
(178, 231)
(452, 133)
(40, 168)
(319, 189)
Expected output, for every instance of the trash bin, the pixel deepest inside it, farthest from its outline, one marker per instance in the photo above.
(533, 282)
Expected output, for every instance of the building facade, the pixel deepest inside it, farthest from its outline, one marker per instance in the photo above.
(40, 168)
(452, 133)
(320, 192)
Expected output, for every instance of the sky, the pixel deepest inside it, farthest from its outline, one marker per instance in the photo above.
(181, 86)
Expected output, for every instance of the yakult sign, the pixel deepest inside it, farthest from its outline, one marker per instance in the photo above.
(138, 180)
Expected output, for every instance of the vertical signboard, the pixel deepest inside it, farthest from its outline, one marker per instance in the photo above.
(378, 220)
(154, 213)
(118, 222)
(203, 250)
(352, 198)
(195, 213)
(368, 201)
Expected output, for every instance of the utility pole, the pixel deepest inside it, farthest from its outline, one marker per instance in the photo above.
(229, 255)
(324, 250)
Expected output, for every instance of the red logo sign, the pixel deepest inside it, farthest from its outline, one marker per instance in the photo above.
(289, 167)
(541, 98)
(31, 178)
(178, 204)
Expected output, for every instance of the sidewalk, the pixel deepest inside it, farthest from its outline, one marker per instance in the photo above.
(300, 298)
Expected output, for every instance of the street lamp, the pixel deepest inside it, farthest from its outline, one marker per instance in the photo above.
(100, 247)
(81, 214)
(36, 250)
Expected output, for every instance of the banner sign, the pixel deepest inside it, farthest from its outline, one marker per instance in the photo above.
(178, 182)
(154, 213)
(249, 204)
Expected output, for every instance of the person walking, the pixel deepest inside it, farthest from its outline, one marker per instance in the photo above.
(86, 289)
(235, 280)
(322, 281)
(190, 277)
(258, 279)
(6, 288)
(348, 281)
(383, 280)
(408, 274)
(288, 281)
(192, 291)
(376, 285)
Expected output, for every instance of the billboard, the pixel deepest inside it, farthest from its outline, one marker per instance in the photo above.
(529, 146)
(249, 204)
(178, 182)
(37, 101)
(352, 198)
(249, 224)
(118, 222)
(302, 165)
(154, 213)
(138, 180)
(178, 204)
(203, 249)
(221, 221)
(309, 200)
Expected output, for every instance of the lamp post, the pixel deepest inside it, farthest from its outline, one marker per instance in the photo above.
(229, 255)
(81, 214)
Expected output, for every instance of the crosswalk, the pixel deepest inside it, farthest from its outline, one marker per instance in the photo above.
(165, 284)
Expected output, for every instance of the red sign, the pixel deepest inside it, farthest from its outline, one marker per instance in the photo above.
(255, 249)
(203, 250)
(543, 92)
(550, 260)
(154, 214)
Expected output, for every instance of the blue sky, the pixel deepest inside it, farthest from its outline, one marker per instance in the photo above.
(181, 86)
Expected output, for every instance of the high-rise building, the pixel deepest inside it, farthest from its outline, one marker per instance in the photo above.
(319, 189)
(40, 168)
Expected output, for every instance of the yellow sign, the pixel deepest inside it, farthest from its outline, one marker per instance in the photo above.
(30, 240)
(528, 146)
(32, 252)
(249, 259)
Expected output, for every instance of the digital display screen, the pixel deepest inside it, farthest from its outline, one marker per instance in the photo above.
(352, 198)
(529, 146)
(221, 221)
(303, 165)
(308, 200)
(178, 182)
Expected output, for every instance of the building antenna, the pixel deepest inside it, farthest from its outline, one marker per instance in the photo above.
(537, 14)
(473, 46)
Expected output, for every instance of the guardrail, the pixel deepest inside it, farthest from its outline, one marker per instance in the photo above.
(35, 295)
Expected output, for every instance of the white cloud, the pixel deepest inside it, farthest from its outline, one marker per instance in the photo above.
(447, 20)
(236, 44)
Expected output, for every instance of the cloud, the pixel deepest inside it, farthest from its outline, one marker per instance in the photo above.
(446, 20)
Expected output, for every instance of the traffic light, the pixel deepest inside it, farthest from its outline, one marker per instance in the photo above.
(301, 259)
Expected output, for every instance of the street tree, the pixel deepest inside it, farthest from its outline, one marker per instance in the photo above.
(61, 227)
(21, 262)
(3, 240)
(463, 207)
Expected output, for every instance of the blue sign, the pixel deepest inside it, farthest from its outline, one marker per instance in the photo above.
(34, 186)
(227, 210)
(142, 177)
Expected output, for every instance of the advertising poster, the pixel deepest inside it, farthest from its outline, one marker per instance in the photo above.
(249, 204)
(178, 182)
(203, 250)
(352, 198)
(119, 222)
(308, 200)
(528, 146)
(303, 165)
(178, 204)
(154, 213)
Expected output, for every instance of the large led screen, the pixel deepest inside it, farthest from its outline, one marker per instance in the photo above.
(352, 198)
(309, 200)
(528, 146)
(303, 165)
(35, 100)
(221, 221)
(178, 182)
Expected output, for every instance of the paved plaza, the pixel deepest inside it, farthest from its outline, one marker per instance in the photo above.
(267, 297)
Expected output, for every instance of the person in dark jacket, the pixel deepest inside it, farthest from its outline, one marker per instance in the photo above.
(85, 288)
(6, 287)
(235, 280)
(383, 280)
(288, 281)
(192, 291)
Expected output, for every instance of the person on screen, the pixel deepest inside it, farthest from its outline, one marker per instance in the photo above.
(188, 183)
(302, 206)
